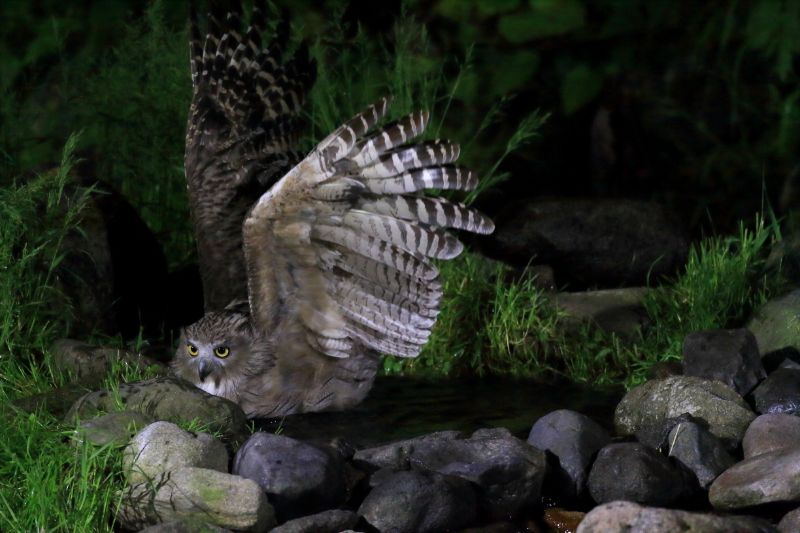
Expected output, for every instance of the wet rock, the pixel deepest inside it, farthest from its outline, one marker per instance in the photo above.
(655, 434)
(725, 412)
(573, 439)
(508, 471)
(771, 432)
(728, 355)
(162, 447)
(766, 478)
(413, 501)
(113, 428)
(629, 517)
(790, 523)
(775, 324)
(197, 494)
(779, 393)
(167, 399)
(619, 311)
(698, 450)
(561, 520)
(593, 242)
(332, 521)
(91, 364)
(633, 472)
(185, 526)
(299, 478)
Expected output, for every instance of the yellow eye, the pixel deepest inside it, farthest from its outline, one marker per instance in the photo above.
(222, 352)
(192, 349)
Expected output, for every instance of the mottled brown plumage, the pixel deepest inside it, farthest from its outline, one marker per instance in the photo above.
(332, 260)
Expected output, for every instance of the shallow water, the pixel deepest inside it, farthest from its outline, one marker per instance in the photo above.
(399, 408)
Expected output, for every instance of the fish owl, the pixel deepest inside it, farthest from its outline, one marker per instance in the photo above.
(312, 266)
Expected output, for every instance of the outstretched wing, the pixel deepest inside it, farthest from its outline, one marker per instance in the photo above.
(339, 250)
(243, 124)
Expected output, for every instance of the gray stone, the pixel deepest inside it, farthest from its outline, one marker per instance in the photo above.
(633, 472)
(508, 470)
(197, 494)
(771, 432)
(332, 521)
(91, 364)
(779, 393)
(167, 399)
(727, 355)
(777, 324)
(162, 447)
(411, 501)
(619, 311)
(113, 428)
(790, 523)
(592, 242)
(766, 478)
(725, 412)
(573, 439)
(699, 451)
(629, 517)
(185, 526)
(299, 478)
(56, 401)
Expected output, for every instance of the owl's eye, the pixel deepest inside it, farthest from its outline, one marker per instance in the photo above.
(222, 352)
(192, 349)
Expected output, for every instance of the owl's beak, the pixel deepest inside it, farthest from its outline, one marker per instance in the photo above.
(204, 370)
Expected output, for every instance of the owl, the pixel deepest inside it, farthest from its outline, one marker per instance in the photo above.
(312, 266)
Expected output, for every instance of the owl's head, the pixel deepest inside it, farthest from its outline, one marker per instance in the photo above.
(216, 351)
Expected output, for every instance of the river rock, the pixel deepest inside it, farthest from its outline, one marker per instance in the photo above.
(332, 521)
(631, 471)
(113, 428)
(629, 517)
(414, 501)
(790, 523)
(779, 393)
(699, 451)
(573, 439)
(771, 432)
(162, 447)
(91, 364)
(592, 242)
(169, 399)
(299, 478)
(619, 311)
(725, 412)
(775, 323)
(727, 355)
(508, 470)
(185, 526)
(766, 478)
(197, 494)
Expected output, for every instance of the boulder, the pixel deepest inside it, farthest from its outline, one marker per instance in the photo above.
(619, 311)
(91, 364)
(113, 428)
(779, 393)
(775, 324)
(790, 523)
(771, 432)
(185, 526)
(727, 355)
(766, 478)
(693, 446)
(332, 521)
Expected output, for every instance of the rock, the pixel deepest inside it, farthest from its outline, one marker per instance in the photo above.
(162, 447)
(113, 428)
(197, 494)
(788, 357)
(775, 324)
(655, 434)
(631, 471)
(728, 355)
(779, 393)
(299, 478)
(332, 521)
(591, 242)
(91, 364)
(55, 401)
(629, 517)
(496, 527)
(771, 432)
(185, 526)
(790, 523)
(699, 451)
(508, 471)
(665, 369)
(412, 501)
(725, 412)
(573, 439)
(766, 478)
(561, 520)
(619, 311)
(167, 399)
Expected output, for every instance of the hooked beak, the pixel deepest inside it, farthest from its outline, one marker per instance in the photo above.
(204, 370)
